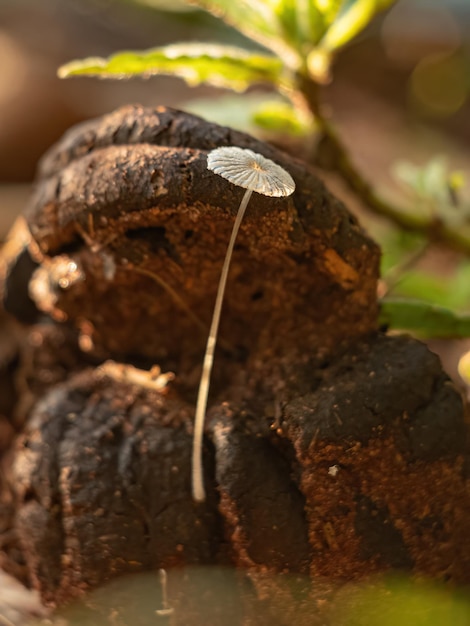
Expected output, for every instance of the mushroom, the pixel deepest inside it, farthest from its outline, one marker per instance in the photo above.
(253, 172)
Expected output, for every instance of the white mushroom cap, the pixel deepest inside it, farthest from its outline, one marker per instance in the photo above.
(250, 170)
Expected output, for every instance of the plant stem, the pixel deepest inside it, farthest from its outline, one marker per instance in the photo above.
(199, 494)
(455, 236)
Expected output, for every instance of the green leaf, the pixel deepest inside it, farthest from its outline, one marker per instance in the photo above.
(282, 117)
(328, 8)
(300, 24)
(396, 246)
(253, 113)
(313, 20)
(451, 291)
(353, 17)
(293, 29)
(424, 319)
(230, 109)
(460, 285)
(424, 286)
(219, 65)
(256, 19)
(343, 21)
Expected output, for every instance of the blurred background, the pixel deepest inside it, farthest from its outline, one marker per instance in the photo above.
(400, 90)
(401, 82)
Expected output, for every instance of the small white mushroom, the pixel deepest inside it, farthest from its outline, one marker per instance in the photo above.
(253, 172)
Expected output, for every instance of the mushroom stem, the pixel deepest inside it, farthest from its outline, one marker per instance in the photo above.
(199, 494)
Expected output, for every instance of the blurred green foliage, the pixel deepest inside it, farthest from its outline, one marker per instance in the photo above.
(298, 32)
(217, 595)
(435, 189)
(402, 602)
(429, 301)
(423, 318)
